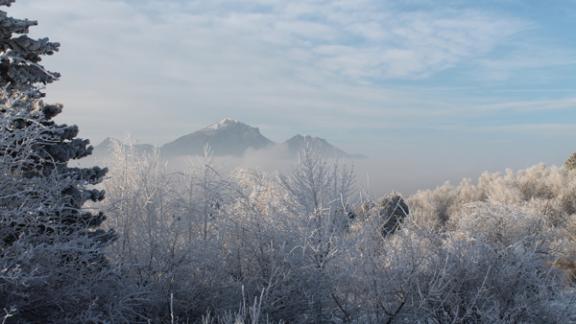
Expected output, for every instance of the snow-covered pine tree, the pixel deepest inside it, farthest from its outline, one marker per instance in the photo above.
(52, 265)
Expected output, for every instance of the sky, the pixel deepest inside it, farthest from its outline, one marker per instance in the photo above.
(447, 87)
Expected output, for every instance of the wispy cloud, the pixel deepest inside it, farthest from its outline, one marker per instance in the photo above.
(352, 39)
(356, 40)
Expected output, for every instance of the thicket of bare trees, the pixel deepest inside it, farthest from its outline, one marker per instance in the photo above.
(250, 247)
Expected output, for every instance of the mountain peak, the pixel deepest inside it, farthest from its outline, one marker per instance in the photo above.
(226, 137)
(299, 142)
(303, 140)
(109, 145)
(226, 122)
(305, 137)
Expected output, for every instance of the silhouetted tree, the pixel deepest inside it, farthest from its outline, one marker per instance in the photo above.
(392, 210)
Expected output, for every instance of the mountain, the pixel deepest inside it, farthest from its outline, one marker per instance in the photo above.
(227, 137)
(298, 143)
(108, 146)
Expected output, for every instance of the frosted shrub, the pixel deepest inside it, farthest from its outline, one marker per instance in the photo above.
(250, 246)
(500, 224)
(461, 276)
(549, 191)
(433, 208)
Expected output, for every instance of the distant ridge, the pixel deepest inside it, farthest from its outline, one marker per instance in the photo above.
(109, 145)
(230, 137)
(320, 146)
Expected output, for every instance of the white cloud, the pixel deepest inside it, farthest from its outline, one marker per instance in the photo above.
(364, 38)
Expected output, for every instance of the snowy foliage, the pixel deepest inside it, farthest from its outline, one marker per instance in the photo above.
(20, 56)
(52, 265)
(251, 247)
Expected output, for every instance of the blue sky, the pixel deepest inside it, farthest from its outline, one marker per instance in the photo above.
(486, 84)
